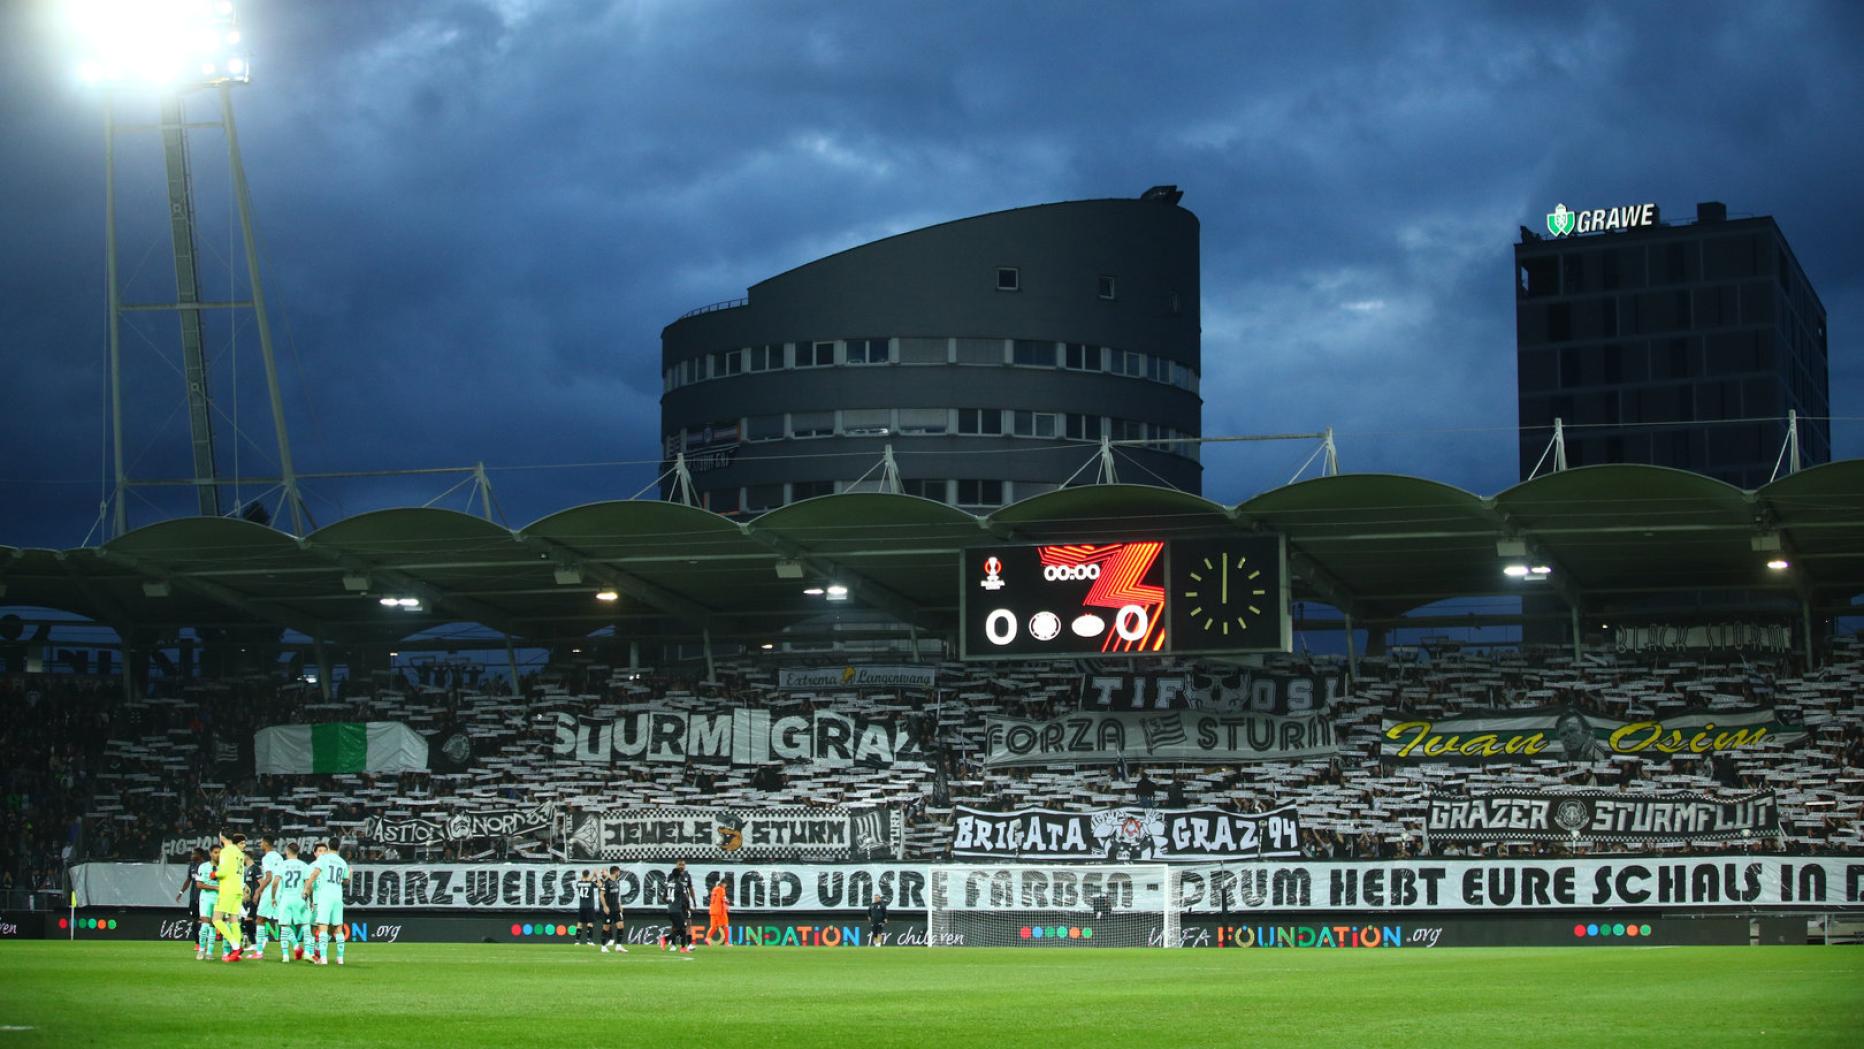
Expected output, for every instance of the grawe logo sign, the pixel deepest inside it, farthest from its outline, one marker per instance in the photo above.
(1561, 222)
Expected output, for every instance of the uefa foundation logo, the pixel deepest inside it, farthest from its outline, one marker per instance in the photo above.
(1560, 221)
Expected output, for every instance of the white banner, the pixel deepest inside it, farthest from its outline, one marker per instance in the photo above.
(1193, 737)
(1124, 835)
(829, 679)
(792, 832)
(746, 736)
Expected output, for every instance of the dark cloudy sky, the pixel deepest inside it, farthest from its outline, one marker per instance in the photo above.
(476, 215)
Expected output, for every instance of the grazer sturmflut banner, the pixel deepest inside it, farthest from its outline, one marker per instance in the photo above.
(790, 833)
(1240, 689)
(1565, 734)
(745, 736)
(1125, 835)
(829, 679)
(1526, 815)
(1195, 737)
(1731, 882)
(500, 823)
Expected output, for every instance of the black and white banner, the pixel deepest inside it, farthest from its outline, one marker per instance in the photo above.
(178, 850)
(788, 833)
(850, 678)
(1525, 815)
(1240, 690)
(1728, 882)
(1125, 835)
(747, 736)
(1193, 737)
(1565, 734)
(460, 826)
(1701, 637)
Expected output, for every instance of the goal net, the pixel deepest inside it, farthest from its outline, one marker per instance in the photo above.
(1052, 905)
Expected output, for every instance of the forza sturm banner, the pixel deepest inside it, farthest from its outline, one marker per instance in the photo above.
(746, 736)
(1728, 882)
(794, 832)
(1565, 734)
(1125, 835)
(1193, 737)
(1525, 815)
(506, 823)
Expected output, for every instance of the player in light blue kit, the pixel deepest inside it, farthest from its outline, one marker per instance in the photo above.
(267, 925)
(294, 911)
(329, 874)
(206, 881)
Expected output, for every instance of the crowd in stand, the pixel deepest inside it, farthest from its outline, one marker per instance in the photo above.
(106, 776)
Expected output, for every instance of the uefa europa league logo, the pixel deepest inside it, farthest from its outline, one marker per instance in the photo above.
(1560, 221)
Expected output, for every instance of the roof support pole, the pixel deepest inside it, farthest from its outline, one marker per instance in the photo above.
(323, 668)
(511, 668)
(711, 671)
(1574, 609)
(1789, 452)
(1805, 627)
(1352, 650)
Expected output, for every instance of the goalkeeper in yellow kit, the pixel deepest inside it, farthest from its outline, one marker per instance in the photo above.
(231, 876)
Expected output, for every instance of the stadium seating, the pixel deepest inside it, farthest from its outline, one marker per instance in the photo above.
(167, 765)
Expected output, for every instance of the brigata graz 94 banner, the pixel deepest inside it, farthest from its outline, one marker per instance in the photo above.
(1565, 734)
(1525, 815)
(791, 833)
(1125, 834)
(460, 826)
(1195, 737)
(747, 736)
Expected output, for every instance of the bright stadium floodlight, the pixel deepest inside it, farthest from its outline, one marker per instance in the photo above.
(1514, 571)
(157, 43)
(1779, 564)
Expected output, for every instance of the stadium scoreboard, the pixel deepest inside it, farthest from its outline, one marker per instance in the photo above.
(1133, 598)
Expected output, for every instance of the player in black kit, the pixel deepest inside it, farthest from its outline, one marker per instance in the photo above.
(680, 908)
(610, 886)
(585, 908)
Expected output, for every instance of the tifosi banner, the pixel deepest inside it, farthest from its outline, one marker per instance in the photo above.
(459, 826)
(793, 833)
(1238, 690)
(739, 737)
(1122, 835)
(1195, 737)
(1565, 734)
(1523, 815)
(827, 679)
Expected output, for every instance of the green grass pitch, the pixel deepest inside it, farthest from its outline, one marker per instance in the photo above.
(150, 995)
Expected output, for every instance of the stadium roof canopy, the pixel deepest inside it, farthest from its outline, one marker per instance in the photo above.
(1373, 544)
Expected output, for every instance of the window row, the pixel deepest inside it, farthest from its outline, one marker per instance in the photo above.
(929, 422)
(965, 493)
(1022, 353)
(1106, 285)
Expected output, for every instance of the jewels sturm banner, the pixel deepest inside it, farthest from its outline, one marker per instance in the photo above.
(1194, 737)
(1241, 690)
(794, 833)
(746, 736)
(1525, 815)
(505, 823)
(1564, 734)
(828, 679)
(1125, 834)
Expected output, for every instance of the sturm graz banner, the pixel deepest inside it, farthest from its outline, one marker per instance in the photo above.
(1525, 815)
(747, 736)
(1565, 734)
(795, 833)
(1237, 689)
(1125, 835)
(1192, 737)
(459, 826)
(829, 679)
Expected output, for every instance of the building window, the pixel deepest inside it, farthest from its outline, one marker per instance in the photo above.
(764, 358)
(1084, 427)
(980, 351)
(1183, 377)
(1105, 286)
(1081, 357)
(924, 420)
(815, 354)
(982, 421)
(1129, 362)
(1035, 424)
(866, 351)
(926, 351)
(1158, 369)
(812, 424)
(980, 493)
(731, 362)
(800, 490)
(1009, 278)
(925, 488)
(1031, 353)
(764, 428)
(867, 422)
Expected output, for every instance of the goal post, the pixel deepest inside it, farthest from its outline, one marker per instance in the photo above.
(1053, 905)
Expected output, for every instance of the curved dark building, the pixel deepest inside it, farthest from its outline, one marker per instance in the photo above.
(991, 353)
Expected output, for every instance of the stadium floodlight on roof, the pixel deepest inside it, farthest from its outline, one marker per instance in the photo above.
(163, 44)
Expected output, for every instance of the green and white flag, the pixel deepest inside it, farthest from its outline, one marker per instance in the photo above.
(340, 746)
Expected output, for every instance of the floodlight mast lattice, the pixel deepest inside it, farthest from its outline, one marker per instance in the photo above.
(171, 47)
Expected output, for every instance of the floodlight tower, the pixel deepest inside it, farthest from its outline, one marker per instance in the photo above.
(170, 48)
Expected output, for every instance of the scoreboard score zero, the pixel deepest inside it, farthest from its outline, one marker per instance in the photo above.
(1131, 598)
